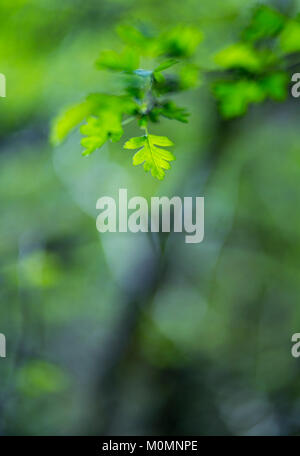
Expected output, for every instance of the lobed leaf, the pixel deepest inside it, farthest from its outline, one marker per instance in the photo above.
(154, 158)
(68, 120)
(98, 130)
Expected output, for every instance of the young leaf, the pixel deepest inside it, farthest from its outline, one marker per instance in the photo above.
(162, 67)
(98, 130)
(181, 41)
(172, 111)
(154, 158)
(69, 119)
(96, 135)
(165, 65)
(158, 77)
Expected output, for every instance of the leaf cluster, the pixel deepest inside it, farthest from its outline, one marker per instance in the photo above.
(256, 66)
(151, 67)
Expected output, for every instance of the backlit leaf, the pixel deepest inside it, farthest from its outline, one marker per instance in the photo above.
(68, 120)
(154, 158)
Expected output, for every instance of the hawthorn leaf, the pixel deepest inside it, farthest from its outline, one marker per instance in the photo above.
(158, 76)
(154, 158)
(98, 130)
(69, 119)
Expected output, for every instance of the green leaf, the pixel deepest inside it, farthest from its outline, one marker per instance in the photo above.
(159, 77)
(95, 103)
(235, 96)
(127, 60)
(96, 135)
(275, 86)
(289, 38)
(154, 158)
(106, 121)
(135, 86)
(68, 120)
(170, 110)
(239, 55)
(98, 130)
(135, 143)
(162, 67)
(181, 41)
(141, 40)
(165, 65)
(266, 22)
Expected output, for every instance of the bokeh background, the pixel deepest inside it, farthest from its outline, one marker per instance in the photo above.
(114, 334)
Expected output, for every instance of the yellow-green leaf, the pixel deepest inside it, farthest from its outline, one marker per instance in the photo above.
(154, 158)
(69, 119)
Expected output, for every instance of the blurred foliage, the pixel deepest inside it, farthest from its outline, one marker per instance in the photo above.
(38, 377)
(259, 62)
